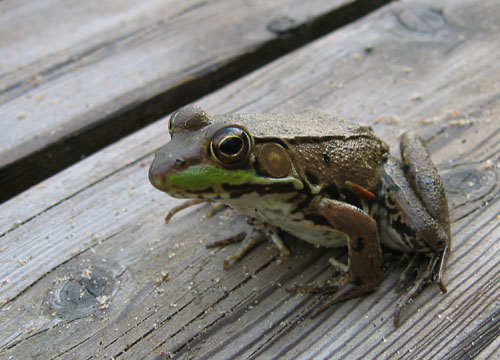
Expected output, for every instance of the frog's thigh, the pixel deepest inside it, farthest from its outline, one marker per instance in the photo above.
(407, 224)
(365, 254)
(424, 178)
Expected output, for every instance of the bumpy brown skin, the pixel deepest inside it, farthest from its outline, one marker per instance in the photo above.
(324, 152)
(415, 207)
(427, 185)
(415, 191)
(425, 180)
(357, 157)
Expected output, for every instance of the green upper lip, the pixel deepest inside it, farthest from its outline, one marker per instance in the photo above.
(199, 178)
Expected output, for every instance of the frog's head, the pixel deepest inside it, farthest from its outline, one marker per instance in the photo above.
(218, 158)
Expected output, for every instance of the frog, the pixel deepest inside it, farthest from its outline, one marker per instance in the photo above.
(322, 179)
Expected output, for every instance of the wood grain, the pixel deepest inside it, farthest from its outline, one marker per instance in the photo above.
(84, 267)
(69, 88)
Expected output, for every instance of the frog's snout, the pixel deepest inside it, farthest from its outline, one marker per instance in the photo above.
(155, 174)
(158, 171)
(165, 163)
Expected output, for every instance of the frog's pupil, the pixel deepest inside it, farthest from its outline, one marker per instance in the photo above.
(231, 145)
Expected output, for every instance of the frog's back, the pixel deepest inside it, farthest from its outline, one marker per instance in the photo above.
(332, 149)
(289, 126)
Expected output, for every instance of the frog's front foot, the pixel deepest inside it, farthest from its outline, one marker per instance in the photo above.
(249, 239)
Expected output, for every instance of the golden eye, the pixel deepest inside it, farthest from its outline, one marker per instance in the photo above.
(230, 146)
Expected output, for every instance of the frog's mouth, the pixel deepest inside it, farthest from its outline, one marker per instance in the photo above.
(211, 182)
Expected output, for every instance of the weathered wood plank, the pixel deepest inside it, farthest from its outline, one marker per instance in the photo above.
(425, 65)
(77, 77)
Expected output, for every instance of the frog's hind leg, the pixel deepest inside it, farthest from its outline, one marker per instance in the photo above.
(413, 217)
(424, 178)
(425, 181)
(404, 223)
(364, 269)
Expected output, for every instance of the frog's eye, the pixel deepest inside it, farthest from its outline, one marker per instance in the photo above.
(230, 146)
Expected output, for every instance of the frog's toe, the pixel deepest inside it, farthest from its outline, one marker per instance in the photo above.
(442, 286)
(407, 297)
(214, 209)
(307, 288)
(340, 292)
(227, 241)
(337, 290)
(410, 272)
(421, 271)
(250, 240)
(339, 265)
(182, 206)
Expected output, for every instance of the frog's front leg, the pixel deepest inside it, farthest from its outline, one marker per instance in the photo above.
(364, 267)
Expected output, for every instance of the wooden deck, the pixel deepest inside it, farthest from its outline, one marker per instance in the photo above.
(89, 270)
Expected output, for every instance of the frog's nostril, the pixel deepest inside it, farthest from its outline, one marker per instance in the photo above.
(180, 161)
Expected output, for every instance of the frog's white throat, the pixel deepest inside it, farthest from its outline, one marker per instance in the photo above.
(282, 210)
